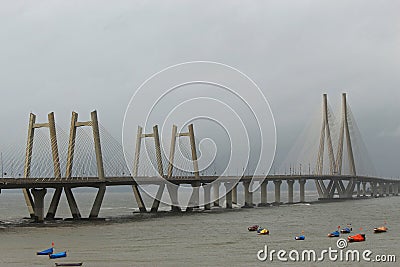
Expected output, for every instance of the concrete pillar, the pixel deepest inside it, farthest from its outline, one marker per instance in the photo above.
(207, 196)
(396, 189)
(248, 196)
(264, 188)
(38, 195)
(277, 184)
(364, 188)
(302, 183)
(358, 184)
(234, 194)
(194, 198)
(290, 190)
(173, 189)
(228, 196)
(173, 194)
(160, 169)
(388, 189)
(27, 167)
(94, 212)
(216, 193)
(157, 199)
(374, 189)
(381, 189)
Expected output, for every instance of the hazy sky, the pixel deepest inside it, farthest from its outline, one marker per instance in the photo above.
(83, 55)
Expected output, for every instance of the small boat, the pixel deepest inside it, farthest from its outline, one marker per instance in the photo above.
(334, 234)
(300, 237)
(263, 231)
(253, 228)
(356, 238)
(58, 255)
(381, 229)
(69, 263)
(346, 230)
(45, 252)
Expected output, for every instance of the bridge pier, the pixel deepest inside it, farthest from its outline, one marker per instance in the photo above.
(173, 194)
(358, 184)
(73, 206)
(207, 196)
(290, 191)
(234, 195)
(248, 196)
(387, 187)
(216, 193)
(194, 198)
(38, 195)
(228, 196)
(277, 184)
(396, 189)
(374, 189)
(381, 189)
(302, 183)
(364, 188)
(264, 188)
(94, 213)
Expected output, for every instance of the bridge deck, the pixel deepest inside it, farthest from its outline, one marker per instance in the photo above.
(15, 183)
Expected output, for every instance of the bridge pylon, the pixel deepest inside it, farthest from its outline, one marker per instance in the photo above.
(173, 192)
(68, 172)
(28, 156)
(335, 185)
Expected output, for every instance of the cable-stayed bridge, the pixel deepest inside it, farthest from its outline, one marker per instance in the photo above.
(88, 156)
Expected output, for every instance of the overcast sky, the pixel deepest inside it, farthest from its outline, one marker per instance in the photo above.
(83, 55)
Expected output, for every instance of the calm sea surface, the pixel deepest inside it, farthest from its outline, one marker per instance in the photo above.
(213, 238)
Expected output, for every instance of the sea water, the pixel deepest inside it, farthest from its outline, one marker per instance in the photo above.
(209, 238)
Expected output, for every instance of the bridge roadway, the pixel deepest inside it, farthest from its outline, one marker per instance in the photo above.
(19, 183)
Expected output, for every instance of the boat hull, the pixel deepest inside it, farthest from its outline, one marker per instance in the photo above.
(45, 252)
(58, 255)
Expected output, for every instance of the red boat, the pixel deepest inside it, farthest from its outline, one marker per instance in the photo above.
(356, 238)
(253, 228)
(381, 229)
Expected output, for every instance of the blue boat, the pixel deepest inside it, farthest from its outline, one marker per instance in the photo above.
(334, 234)
(300, 237)
(346, 230)
(45, 252)
(58, 255)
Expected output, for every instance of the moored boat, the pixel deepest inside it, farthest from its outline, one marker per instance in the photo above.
(263, 231)
(253, 228)
(356, 238)
(345, 230)
(334, 234)
(58, 255)
(381, 229)
(300, 237)
(69, 263)
(45, 252)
